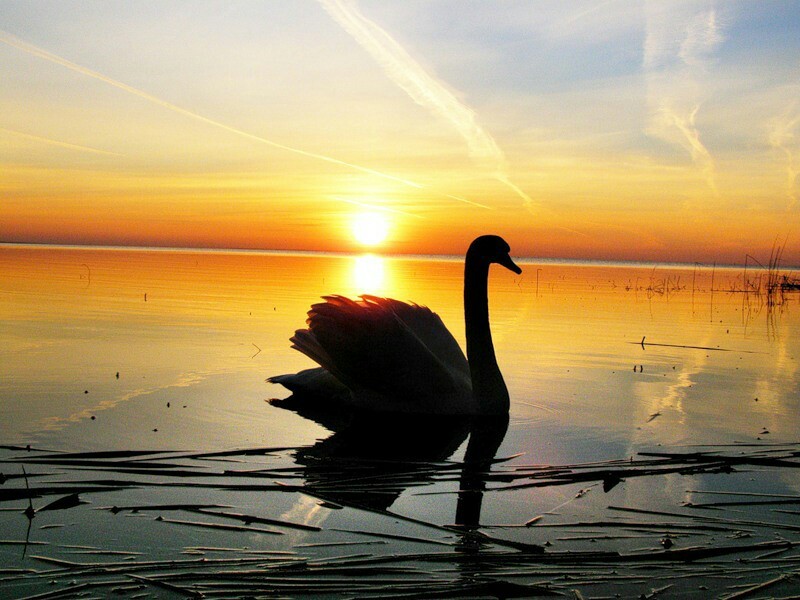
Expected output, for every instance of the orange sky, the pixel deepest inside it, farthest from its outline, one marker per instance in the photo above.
(643, 131)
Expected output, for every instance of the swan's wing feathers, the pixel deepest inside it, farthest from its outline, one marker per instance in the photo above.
(429, 328)
(304, 341)
(373, 346)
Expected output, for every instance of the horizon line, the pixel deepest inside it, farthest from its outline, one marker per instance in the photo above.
(391, 255)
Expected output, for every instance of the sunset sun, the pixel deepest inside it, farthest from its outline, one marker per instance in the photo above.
(370, 229)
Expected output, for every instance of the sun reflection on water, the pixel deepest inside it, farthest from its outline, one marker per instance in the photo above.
(369, 274)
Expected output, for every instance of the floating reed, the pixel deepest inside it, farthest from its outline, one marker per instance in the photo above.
(738, 555)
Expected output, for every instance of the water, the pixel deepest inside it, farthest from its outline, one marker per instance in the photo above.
(168, 351)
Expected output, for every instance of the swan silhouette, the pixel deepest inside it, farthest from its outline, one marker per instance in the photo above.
(383, 355)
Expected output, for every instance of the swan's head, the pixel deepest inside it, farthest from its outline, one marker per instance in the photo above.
(492, 249)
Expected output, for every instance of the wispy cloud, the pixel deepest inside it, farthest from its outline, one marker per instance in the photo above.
(582, 13)
(782, 137)
(19, 44)
(376, 207)
(58, 143)
(679, 49)
(403, 70)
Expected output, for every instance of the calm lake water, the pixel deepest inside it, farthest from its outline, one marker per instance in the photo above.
(167, 352)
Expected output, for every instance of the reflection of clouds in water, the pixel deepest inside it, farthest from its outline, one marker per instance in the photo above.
(776, 387)
(672, 399)
(670, 426)
(57, 423)
(305, 510)
(676, 393)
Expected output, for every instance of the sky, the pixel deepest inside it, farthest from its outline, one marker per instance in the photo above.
(612, 130)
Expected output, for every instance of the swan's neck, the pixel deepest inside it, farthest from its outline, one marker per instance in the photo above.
(488, 386)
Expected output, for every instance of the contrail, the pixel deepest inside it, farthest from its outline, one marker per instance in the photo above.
(426, 91)
(700, 154)
(15, 42)
(59, 143)
(781, 137)
(403, 212)
(678, 47)
(585, 13)
(460, 199)
(376, 207)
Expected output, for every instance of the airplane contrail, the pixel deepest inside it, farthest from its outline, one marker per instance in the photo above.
(59, 143)
(17, 43)
(698, 151)
(460, 199)
(376, 207)
(782, 137)
(425, 90)
(679, 44)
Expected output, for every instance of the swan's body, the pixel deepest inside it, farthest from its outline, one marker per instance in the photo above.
(383, 355)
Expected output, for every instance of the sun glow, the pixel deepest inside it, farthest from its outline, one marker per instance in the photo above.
(370, 228)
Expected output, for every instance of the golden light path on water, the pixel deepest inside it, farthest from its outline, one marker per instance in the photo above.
(204, 329)
(369, 273)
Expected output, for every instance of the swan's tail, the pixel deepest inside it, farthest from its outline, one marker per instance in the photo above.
(316, 383)
(316, 395)
(306, 342)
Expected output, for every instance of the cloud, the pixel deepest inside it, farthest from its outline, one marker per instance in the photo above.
(401, 68)
(482, 147)
(703, 38)
(782, 137)
(17, 43)
(58, 143)
(679, 49)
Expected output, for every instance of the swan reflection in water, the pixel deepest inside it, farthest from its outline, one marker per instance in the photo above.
(396, 388)
(369, 460)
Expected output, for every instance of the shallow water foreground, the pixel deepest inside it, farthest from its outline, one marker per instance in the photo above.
(157, 469)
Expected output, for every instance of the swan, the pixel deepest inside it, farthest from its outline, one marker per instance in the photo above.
(383, 355)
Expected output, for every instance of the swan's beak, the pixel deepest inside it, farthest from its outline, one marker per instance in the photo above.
(509, 264)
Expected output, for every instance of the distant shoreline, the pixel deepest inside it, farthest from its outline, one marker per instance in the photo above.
(439, 257)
